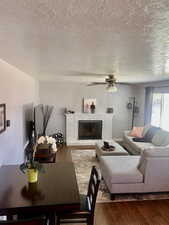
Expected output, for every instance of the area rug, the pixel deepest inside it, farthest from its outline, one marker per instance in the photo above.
(84, 160)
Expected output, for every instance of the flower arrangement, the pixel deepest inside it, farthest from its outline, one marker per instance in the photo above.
(49, 141)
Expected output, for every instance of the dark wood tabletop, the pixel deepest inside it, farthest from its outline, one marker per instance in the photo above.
(55, 191)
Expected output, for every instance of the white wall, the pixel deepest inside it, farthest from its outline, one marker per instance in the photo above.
(71, 95)
(16, 90)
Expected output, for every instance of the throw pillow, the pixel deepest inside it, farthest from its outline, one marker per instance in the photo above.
(146, 128)
(150, 133)
(136, 139)
(137, 132)
(161, 138)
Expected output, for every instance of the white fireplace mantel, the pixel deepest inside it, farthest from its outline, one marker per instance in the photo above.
(72, 127)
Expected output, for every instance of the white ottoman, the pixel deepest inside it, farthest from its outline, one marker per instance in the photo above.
(119, 150)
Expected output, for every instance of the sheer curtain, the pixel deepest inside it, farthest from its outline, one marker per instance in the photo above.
(165, 112)
(156, 110)
(160, 110)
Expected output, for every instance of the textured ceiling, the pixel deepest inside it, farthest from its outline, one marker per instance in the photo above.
(56, 39)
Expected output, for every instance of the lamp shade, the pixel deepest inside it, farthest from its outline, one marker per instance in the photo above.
(111, 88)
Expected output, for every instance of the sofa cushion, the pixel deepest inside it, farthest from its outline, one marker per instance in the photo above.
(138, 146)
(156, 153)
(151, 154)
(161, 138)
(122, 169)
(141, 146)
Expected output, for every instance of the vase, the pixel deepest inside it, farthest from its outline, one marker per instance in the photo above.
(32, 175)
(92, 107)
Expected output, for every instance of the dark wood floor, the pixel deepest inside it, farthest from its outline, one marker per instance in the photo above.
(126, 213)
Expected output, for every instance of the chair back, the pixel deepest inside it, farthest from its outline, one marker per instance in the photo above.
(93, 188)
(32, 221)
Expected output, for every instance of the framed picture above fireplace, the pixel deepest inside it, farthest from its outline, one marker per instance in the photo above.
(87, 102)
(2, 117)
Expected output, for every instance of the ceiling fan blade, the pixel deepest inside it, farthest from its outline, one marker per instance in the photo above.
(96, 83)
(122, 83)
(106, 75)
(80, 73)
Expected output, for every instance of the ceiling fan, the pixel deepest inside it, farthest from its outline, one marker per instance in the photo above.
(110, 81)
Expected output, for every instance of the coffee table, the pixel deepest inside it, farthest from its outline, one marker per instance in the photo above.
(119, 150)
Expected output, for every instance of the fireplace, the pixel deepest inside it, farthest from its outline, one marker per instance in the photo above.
(89, 129)
(72, 127)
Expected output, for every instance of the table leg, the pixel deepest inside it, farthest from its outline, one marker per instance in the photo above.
(52, 219)
(9, 217)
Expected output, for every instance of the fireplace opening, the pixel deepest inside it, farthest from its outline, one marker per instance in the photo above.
(90, 129)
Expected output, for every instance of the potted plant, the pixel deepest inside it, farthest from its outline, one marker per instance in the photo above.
(32, 167)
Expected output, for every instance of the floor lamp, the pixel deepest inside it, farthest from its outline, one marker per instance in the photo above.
(132, 105)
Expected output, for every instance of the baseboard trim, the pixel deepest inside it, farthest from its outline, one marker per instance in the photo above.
(77, 147)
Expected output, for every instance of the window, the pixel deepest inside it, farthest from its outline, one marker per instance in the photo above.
(160, 110)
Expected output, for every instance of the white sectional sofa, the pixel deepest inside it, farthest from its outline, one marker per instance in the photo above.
(160, 141)
(137, 174)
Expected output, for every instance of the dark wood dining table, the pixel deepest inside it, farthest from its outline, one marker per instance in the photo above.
(56, 191)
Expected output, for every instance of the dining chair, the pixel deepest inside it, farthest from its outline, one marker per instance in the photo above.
(87, 204)
(30, 221)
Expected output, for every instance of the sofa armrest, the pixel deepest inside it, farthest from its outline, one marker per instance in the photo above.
(126, 132)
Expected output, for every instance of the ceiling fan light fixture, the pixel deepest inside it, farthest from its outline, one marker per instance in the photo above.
(111, 88)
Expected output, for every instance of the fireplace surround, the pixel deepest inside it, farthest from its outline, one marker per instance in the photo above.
(72, 126)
